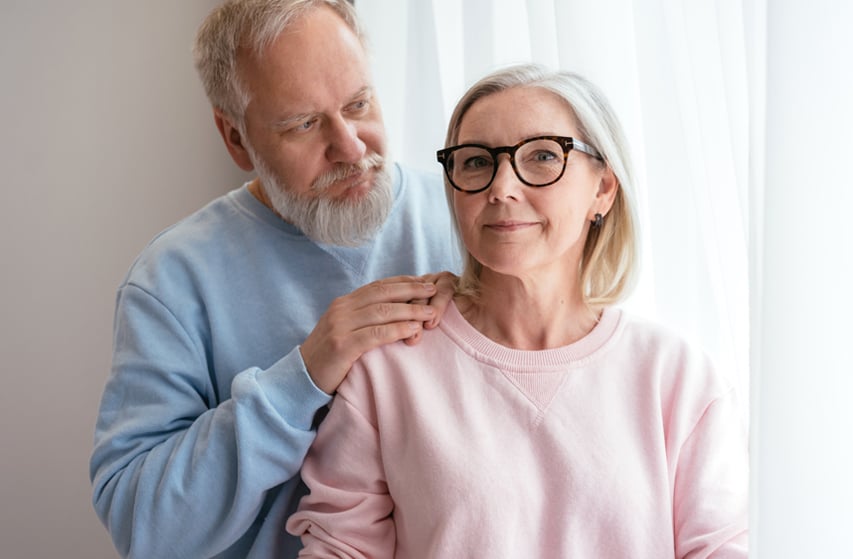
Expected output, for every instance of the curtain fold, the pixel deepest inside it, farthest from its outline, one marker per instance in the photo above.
(755, 44)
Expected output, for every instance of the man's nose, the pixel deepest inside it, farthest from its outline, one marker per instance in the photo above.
(345, 145)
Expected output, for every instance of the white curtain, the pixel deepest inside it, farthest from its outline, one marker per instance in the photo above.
(676, 73)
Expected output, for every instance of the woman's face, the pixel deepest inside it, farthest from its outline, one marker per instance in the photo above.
(518, 230)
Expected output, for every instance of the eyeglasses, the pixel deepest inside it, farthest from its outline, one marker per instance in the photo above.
(538, 161)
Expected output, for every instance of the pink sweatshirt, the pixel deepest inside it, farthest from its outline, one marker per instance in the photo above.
(625, 444)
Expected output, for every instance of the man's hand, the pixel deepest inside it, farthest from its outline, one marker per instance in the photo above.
(378, 313)
(445, 284)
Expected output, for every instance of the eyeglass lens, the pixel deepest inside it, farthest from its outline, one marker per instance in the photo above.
(538, 163)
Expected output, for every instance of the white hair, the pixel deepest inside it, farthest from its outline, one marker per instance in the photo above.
(248, 27)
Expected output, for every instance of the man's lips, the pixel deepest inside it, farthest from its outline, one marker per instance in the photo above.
(340, 182)
(354, 183)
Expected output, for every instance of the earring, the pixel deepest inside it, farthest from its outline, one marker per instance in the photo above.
(599, 219)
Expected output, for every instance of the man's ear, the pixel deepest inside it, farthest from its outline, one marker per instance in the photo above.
(607, 189)
(233, 140)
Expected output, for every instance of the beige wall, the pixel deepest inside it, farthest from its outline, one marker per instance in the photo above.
(105, 139)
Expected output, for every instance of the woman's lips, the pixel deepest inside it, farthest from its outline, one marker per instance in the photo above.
(509, 226)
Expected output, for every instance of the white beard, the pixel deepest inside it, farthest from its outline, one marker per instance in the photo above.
(327, 220)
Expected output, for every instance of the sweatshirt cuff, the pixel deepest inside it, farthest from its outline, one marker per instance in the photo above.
(290, 390)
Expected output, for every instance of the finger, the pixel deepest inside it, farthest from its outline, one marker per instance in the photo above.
(445, 290)
(379, 302)
(390, 313)
(436, 277)
(337, 327)
(392, 291)
(372, 337)
(414, 338)
(402, 279)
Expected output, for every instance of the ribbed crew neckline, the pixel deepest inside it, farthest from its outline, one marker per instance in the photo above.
(472, 341)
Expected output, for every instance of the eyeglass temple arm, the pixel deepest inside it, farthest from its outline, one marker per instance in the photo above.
(586, 148)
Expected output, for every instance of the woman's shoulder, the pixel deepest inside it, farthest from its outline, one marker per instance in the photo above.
(678, 362)
(655, 336)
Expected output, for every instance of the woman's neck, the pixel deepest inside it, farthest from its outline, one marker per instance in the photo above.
(529, 315)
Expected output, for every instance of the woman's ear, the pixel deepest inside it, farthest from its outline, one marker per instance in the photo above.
(607, 189)
(233, 141)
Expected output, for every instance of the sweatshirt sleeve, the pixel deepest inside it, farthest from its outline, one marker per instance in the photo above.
(348, 510)
(175, 475)
(710, 512)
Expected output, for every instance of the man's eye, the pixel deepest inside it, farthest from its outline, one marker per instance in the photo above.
(304, 126)
(359, 106)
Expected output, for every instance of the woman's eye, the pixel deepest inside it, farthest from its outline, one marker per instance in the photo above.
(478, 162)
(543, 156)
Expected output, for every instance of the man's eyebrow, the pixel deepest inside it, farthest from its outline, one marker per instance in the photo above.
(285, 122)
(366, 90)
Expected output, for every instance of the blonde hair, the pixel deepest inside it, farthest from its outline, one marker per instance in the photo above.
(248, 26)
(608, 266)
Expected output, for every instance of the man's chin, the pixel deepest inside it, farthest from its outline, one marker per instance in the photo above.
(347, 213)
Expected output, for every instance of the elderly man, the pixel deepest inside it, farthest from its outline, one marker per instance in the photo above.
(234, 327)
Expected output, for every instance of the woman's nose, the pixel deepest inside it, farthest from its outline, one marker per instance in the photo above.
(506, 183)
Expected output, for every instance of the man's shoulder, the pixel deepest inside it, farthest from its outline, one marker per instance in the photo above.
(190, 242)
(412, 173)
(422, 192)
(195, 225)
(417, 181)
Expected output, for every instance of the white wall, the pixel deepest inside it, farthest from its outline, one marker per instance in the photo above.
(105, 139)
(803, 451)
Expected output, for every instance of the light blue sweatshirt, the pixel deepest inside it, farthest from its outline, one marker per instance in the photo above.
(207, 414)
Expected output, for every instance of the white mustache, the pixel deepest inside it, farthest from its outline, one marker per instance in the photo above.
(343, 171)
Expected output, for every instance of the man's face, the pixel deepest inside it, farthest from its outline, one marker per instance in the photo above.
(314, 129)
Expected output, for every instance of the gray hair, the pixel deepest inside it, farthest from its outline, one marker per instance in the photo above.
(249, 26)
(610, 258)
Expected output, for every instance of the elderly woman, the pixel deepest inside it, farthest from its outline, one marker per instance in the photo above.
(538, 420)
